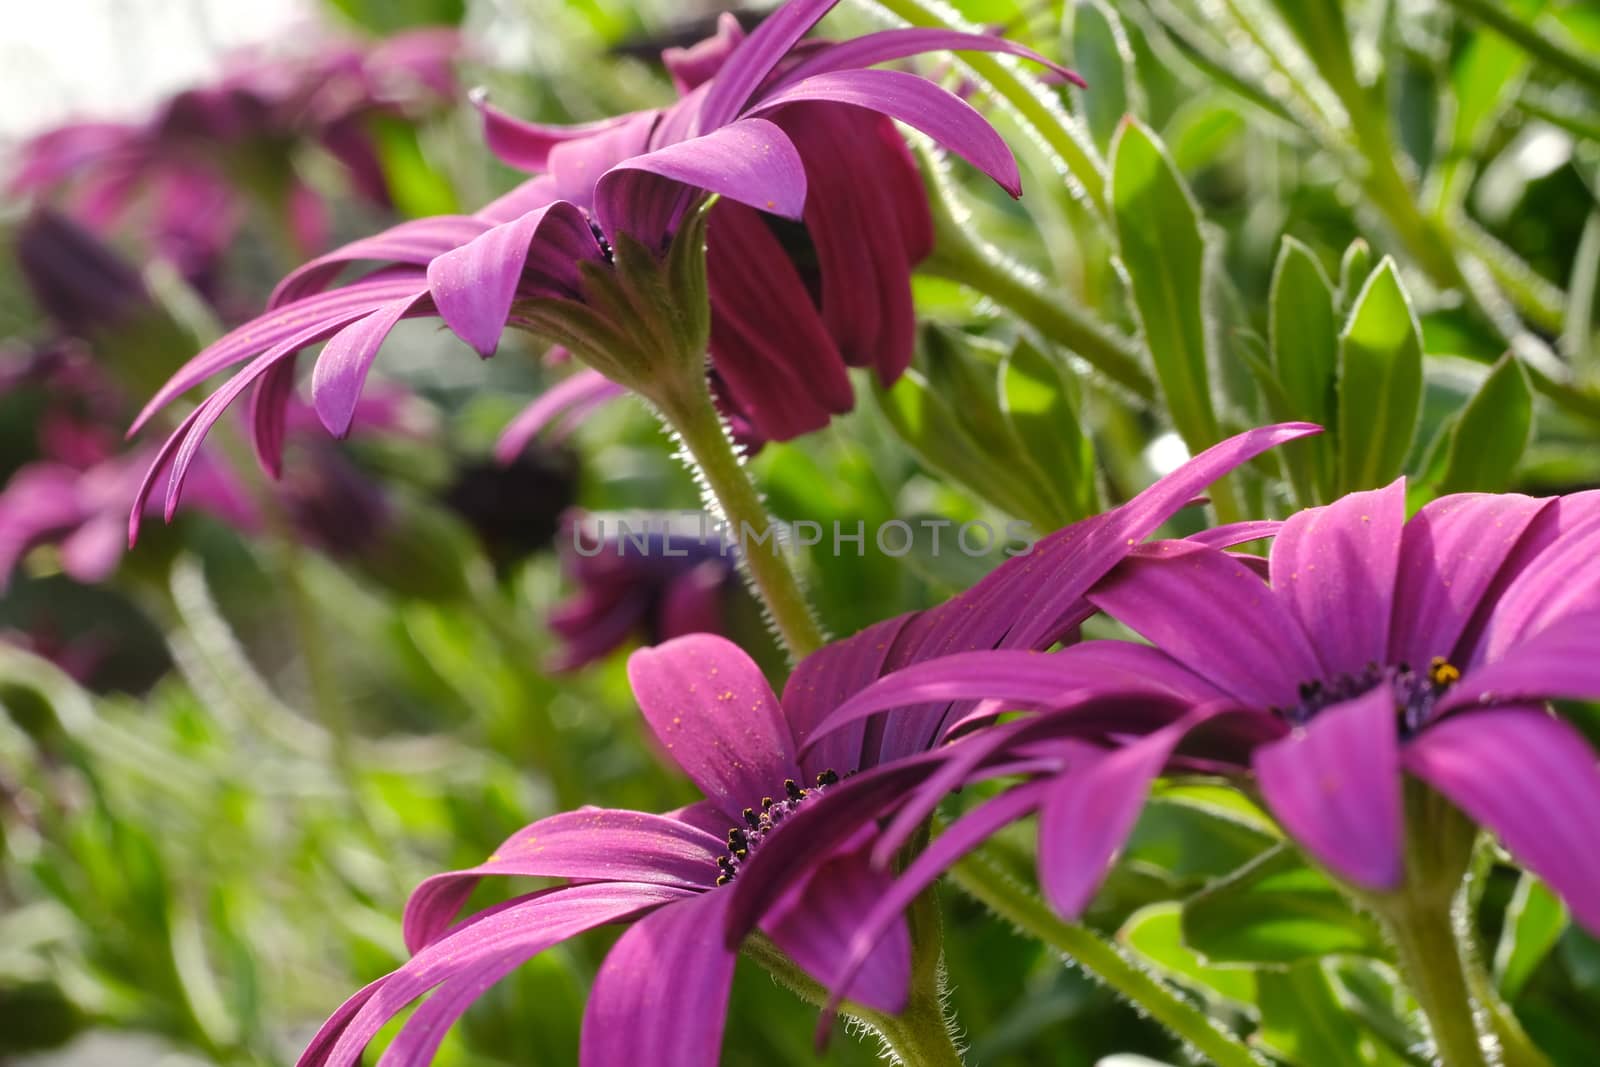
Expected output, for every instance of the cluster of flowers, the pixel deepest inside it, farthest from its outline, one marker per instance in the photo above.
(1369, 648)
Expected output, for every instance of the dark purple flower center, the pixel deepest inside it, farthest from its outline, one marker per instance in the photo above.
(1415, 692)
(761, 821)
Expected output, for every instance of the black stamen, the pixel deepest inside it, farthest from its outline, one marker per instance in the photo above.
(791, 787)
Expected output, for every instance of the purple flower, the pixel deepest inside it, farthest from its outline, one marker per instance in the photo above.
(641, 580)
(1367, 648)
(548, 256)
(80, 283)
(179, 172)
(515, 507)
(664, 985)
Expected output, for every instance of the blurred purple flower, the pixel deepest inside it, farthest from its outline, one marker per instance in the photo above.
(186, 169)
(653, 586)
(1367, 648)
(83, 285)
(633, 179)
(515, 507)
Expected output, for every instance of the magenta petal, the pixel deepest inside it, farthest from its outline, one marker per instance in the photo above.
(419, 1039)
(474, 285)
(663, 988)
(416, 242)
(1561, 583)
(1560, 662)
(1533, 780)
(1335, 568)
(886, 46)
(713, 710)
(756, 57)
(342, 367)
(823, 681)
(91, 553)
(1449, 556)
(812, 923)
(269, 416)
(1089, 811)
(590, 845)
(752, 162)
(1237, 533)
(1335, 786)
(919, 103)
(584, 390)
(1212, 614)
(527, 145)
(520, 929)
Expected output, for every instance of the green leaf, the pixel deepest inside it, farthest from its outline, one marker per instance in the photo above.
(1304, 333)
(1303, 1020)
(1040, 404)
(1201, 131)
(1320, 28)
(1164, 251)
(1380, 383)
(1276, 910)
(1156, 933)
(1534, 922)
(1101, 54)
(1355, 267)
(1488, 440)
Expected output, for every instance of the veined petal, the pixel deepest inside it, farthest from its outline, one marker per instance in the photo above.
(474, 285)
(302, 323)
(583, 391)
(1449, 556)
(342, 366)
(823, 681)
(886, 46)
(269, 416)
(663, 988)
(590, 845)
(1212, 614)
(1559, 662)
(751, 161)
(527, 145)
(519, 929)
(1237, 533)
(577, 166)
(813, 922)
(1335, 568)
(1335, 786)
(756, 57)
(415, 242)
(1089, 811)
(1533, 780)
(712, 709)
(917, 102)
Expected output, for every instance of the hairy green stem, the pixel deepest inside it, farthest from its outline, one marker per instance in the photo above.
(1431, 962)
(987, 881)
(762, 554)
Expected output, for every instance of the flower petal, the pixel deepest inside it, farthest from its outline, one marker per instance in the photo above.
(1089, 811)
(751, 161)
(1449, 556)
(527, 145)
(709, 704)
(590, 845)
(1335, 786)
(1216, 617)
(824, 680)
(663, 987)
(1557, 663)
(917, 102)
(519, 929)
(756, 57)
(692, 602)
(415, 242)
(1530, 778)
(886, 46)
(1335, 568)
(342, 366)
(583, 391)
(813, 922)
(474, 285)
(269, 416)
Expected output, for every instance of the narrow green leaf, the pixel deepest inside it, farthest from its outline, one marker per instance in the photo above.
(1164, 251)
(1276, 910)
(1534, 922)
(1155, 932)
(1201, 131)
(1380, 383)
(1304, 332)
(1303, 1020)
(1320, 28)
(1493, 432)
(1100, 53)
(1041, 406)
(1354, 269)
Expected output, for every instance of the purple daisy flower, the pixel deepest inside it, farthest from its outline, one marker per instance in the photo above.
(657, 584)
(665, 983)
(540, 256)
(1367, 648)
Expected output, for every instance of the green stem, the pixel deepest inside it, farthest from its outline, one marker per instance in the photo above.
(1431, 962)
(690, 412)
(1549, 50)
(1516, 1047)
(986, 880)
